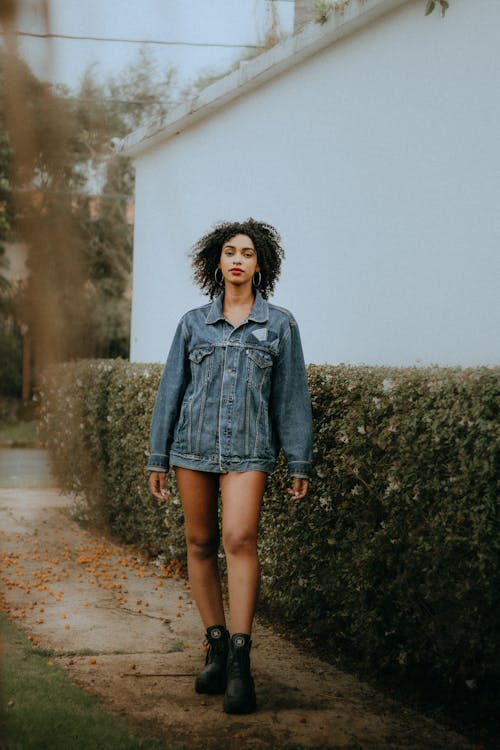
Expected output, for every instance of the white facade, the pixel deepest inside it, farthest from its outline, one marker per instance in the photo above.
(373, 145)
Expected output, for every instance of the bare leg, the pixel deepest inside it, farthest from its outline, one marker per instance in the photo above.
(242, 494)
(199, 492)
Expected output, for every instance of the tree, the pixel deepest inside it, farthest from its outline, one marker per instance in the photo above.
(104, 112)
(71, 201)
(11, 337)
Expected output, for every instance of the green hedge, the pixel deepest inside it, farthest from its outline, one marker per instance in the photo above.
(11, 363)
(395, 553)
(95, 418)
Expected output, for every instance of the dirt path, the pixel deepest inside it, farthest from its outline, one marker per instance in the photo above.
(129, 633)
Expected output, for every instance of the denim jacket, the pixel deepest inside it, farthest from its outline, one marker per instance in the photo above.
(231, 397)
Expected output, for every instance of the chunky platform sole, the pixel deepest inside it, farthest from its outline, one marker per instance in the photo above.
(246, 705)
(212, 687)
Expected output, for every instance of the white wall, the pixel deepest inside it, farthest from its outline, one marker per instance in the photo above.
(378, 159)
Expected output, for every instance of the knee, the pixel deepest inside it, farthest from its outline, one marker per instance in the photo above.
(201, 547)
(239, 543)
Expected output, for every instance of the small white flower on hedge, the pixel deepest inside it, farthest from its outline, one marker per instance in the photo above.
(393, 485)
(388, 384)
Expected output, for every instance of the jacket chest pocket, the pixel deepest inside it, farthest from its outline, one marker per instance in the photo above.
(259, 367)
(202, 362)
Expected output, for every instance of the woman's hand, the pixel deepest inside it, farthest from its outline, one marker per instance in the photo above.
(158, 485)
(299, 488)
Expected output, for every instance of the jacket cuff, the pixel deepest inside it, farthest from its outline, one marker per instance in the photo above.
(157, 462)
(299, 469)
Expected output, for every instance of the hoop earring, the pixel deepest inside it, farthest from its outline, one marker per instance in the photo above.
(257, 285)
(217, 281)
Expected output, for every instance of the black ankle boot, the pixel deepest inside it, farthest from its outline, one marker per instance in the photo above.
(240, 691)
(212, 678)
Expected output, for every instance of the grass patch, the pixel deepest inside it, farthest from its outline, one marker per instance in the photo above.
(42, 710)
(18, 432)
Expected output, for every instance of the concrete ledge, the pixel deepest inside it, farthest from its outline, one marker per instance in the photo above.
(253, 73)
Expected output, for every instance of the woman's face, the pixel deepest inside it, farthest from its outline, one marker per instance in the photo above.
(238, 260)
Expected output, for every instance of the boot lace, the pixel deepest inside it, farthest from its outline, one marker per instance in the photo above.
(216, 647)
(239, 664)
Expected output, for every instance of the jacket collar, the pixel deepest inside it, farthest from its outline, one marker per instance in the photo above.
(259, 312)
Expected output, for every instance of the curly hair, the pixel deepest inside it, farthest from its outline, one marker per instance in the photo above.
(205, 255)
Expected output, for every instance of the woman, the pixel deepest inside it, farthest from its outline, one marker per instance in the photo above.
(233, 392)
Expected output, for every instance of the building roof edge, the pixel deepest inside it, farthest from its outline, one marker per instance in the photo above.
(254, 72)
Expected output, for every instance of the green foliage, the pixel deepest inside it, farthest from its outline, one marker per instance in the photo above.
(431, 4)
(10, 362)
(17, 432)
(394, 555)
(400, 539)
(6, 206)
(95, 420)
